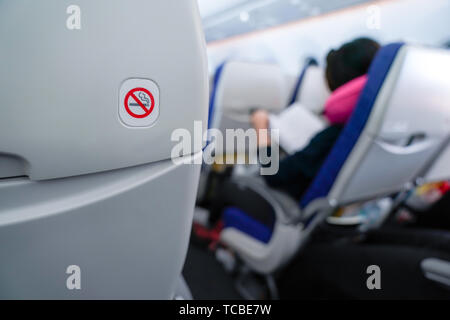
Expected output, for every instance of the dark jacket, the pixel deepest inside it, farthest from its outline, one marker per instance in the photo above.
(297, 171)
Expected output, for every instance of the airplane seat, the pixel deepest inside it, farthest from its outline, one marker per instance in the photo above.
(86, 163)
(238, 88)
(399, 124)
(311, 90)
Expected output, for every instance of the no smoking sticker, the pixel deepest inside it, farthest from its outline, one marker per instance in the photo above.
(139, 102)
(142, 100)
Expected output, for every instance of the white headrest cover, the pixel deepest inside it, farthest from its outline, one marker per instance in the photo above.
(314, 90)
(416, 97)
(244, 86)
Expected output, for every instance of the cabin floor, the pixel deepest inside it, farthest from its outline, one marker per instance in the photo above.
(206, 277)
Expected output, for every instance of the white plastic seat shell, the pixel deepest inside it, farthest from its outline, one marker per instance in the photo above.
(92, 190)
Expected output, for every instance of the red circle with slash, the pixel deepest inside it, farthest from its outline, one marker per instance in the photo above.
(131, 94)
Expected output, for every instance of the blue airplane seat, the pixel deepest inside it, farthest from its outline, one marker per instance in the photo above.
(323, 182)
(237, 88)
(384, 129)
(329, 171)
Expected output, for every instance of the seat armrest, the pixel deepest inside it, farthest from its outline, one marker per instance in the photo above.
(437, 270)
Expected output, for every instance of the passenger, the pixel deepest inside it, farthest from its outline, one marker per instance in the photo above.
(345, 75)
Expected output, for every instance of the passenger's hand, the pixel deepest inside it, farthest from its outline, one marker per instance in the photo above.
(260, 121)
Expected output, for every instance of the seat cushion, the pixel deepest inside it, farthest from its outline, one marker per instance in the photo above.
(236, 218)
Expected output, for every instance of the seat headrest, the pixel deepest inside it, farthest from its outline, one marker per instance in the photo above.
(241, 86)
(313, 90)
(417, 96)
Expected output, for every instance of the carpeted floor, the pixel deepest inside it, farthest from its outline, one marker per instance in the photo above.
(206, 277)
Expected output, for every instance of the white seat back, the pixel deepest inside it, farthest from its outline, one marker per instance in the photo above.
(407, 126)
(244, 86)
(439, 167)
(82, 183)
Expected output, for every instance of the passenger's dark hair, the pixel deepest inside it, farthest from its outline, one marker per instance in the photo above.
(350, 61)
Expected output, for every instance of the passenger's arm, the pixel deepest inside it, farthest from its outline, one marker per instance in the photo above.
(307, 162)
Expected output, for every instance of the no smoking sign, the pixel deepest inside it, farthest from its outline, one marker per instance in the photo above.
(139, 102)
